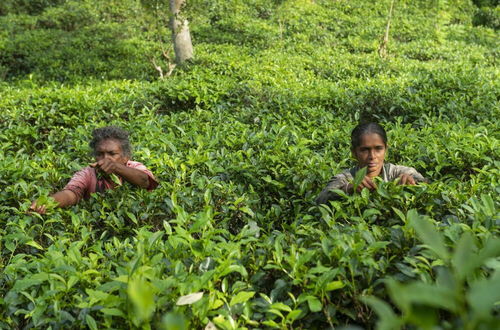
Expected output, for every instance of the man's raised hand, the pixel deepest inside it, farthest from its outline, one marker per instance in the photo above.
(106, 165)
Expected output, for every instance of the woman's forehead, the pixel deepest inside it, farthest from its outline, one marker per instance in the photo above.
(371, 139)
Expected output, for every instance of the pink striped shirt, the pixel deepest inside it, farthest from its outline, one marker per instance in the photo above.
(85, 182)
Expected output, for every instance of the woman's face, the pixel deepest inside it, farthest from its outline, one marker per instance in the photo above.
(111, 149)
(370, 153)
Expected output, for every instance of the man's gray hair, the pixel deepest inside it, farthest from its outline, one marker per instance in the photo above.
(111, 133)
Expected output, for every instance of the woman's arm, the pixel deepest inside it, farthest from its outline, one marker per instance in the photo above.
(343, 182)
(407, 175)
(340, 182)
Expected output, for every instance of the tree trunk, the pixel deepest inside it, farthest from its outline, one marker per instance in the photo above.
(180, 32)
(382, 50)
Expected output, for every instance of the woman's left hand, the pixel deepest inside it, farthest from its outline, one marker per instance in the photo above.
(407, 179)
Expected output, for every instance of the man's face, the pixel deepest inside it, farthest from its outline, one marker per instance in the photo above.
(112, 150)
(371, 153)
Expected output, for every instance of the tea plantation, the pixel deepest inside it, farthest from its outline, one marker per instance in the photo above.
(242, 140)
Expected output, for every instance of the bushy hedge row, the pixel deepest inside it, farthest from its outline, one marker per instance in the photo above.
(234, 216)
(70, 41)
(242, 140)
(126, 36)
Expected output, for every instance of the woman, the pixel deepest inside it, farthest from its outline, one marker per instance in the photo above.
(112, 151)
(369, 147)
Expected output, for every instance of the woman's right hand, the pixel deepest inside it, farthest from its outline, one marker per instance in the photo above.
(367, 182)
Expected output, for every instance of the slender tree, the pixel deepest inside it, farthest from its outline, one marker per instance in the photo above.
(183, 46)
(382, 50)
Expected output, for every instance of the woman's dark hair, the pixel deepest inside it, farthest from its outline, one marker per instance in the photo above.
(366, 128)
(111, 133)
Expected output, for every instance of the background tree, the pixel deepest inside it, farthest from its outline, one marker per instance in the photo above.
(179, 27)
(183, 46)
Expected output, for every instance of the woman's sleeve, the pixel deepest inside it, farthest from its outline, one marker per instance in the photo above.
(340, 182)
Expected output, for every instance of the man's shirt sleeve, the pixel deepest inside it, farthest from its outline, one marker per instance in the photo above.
(81, 183)
(153, 183)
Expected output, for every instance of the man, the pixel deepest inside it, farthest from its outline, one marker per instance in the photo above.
(112, 151)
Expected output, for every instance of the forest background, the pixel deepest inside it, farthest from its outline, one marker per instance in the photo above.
(242, 139)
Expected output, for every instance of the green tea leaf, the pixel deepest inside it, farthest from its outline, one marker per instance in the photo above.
(293, 315)
(112, 312)
(189, 299)
(314, 304)
(35, 245)
(360, 175)
(334, 285)
(141, 294)
(428, 233)
(241, 297)
(463, 258)
(423, 294)
(483, 295)
(280, 306)
(388, 320)
(132, 217)
(91, 323)
(115, 179)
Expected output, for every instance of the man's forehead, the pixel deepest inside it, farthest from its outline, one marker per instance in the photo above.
(109, 145)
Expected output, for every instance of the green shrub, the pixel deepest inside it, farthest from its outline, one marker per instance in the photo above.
(489, 17)
(68, 17)
(62, 55)
(242, 139)
(30, 7)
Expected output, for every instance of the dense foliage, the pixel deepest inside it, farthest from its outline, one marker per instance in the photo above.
(242, 139)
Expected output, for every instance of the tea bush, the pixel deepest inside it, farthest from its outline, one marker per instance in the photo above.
(242, 140)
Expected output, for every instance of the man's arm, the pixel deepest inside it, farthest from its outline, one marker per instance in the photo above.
(63, 198)
(132, 175)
